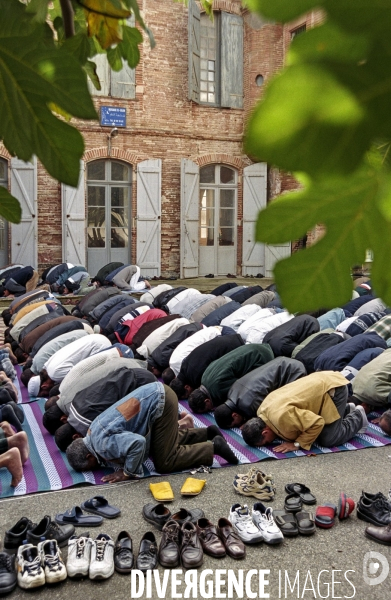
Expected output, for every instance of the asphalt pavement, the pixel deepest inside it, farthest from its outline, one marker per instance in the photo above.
(320, 566)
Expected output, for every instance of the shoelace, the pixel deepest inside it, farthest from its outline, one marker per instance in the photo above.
(34, 566)
(80, 547)
(245, 518)
(100, 549)
(5, 561)
(172, 535)
(53, 562)
(187, 539)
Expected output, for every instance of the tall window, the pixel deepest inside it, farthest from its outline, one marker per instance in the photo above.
(218, 185)
(298, 31)
(3, 183)
(108, 200)
(215, 58)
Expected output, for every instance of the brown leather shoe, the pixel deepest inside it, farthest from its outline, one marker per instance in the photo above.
(382, 535)
(191, 550)
(210, 541)
(168, 555)
(232, 542)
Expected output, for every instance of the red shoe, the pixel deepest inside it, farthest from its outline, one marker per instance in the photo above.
(325, 516)
(345, 506)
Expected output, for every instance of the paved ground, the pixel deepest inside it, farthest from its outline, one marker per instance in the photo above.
(340, 549)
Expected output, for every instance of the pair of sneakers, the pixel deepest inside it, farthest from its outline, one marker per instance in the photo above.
(88, 557)
(37, 565)
(255, 483)
(259, 526)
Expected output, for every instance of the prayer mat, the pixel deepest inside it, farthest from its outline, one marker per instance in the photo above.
(48, 469)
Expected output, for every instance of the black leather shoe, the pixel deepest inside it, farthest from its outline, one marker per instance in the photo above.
(184, 516)
(15, 536)
(49, 530)
(372, 497)
(375, 511)
(192, 555)
(169, 546)
(123, 553)
(157, 514)
(147, 554)
(7, 573)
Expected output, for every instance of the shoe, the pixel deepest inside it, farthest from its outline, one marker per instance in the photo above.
(210, 275)
(147, 554)
(192, 555)
(102, 557)
(169, 553)
(49, 530)
(305, 522)
(183, 516)
(256, 486)
(15, 536)
(365, 422)
(325, 515)
(123, 553)
(253, 472)
(52, 562)
(243, 524)
(371, 497)
(263, 518)
(157, 514)
(345, 506)
(234, 546)
(286, 522)
(28, 564)
(293, 503)
(210, 541)
(381, 535)
(7, 573)
(301, 490)
(79, 555)
(376, 511)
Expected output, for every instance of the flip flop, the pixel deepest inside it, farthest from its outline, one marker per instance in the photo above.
(345, 506)
(301, 490)
(293, 503)
(325, 515)
(305, 522)
(286, 522)
(76, 517)
(98, 505)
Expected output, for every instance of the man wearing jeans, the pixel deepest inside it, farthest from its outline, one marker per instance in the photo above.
(145, 423)
(312, 408)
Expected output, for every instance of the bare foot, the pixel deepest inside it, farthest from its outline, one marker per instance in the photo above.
(377, 420)
(11, 460)
(186, 423)
(147, 284)
(6, 427)
(12, 356)
(20, 441)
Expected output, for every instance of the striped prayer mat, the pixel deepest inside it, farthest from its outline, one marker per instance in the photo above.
(48, 469)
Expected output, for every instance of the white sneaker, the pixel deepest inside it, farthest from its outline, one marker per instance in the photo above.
(52, 562)
(365, 422)
(242, 523)
(79, 555)
(28, 565)
(263, 519)
(102, 557)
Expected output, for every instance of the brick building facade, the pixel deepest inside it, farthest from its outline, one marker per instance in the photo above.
(155, 197)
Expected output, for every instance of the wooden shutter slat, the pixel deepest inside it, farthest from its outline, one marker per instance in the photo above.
(231, 60)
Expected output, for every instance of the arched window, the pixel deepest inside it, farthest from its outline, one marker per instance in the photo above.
(3, 222)
(108, 212)
(217, 236)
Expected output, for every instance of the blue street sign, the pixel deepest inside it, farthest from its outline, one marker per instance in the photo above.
(112, 116)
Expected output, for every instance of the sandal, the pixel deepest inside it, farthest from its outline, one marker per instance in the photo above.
(301, 490)
(98, 505)
(345, 506)
(76, 517)
(293, 503)
(286, 522)
(305, 522)
(325, 515)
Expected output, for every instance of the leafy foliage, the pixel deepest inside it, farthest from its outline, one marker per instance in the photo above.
(321, 117)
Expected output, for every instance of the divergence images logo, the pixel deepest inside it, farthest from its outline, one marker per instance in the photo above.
(375, 568)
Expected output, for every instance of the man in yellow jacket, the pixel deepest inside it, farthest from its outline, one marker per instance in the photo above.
(311, 408)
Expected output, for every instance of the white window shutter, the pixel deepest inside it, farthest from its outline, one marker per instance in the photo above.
(231, 60)
(103, 72)
(123, 83)
(149, 177)
(194, 51)
(24, 235)
(190, 215)
(275, 253)
(254, 200)
(74, 221)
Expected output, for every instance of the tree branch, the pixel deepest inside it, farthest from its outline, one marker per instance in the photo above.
(68, 18)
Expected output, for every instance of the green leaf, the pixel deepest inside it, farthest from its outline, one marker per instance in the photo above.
(90, 69)
(319, 276)
(129, 46)
(115, 58)
(281, 10)
(39, 8)
(308, 121)
(34, 73)
(361, 15)
(79, 47)
(9, 207)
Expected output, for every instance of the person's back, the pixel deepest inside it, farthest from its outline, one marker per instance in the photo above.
(70, 355)
(372, 384)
